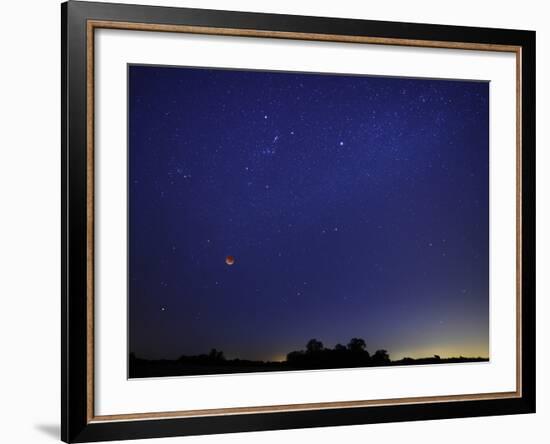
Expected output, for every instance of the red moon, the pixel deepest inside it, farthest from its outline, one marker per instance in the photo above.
(229, 260)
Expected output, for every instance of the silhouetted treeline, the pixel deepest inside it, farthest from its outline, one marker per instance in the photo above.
(315, 356)
(355, 354)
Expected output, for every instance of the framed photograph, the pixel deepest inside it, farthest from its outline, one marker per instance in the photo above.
(276, 221)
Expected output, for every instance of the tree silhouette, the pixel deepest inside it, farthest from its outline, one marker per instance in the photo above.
(357, 345)
(314, 346)
(295, 356)
(315, 356)
(380, 357)
(216, 355)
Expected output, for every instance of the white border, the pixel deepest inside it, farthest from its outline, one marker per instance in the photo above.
(114, 394)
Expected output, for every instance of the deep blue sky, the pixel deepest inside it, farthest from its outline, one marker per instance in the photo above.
(354, 206)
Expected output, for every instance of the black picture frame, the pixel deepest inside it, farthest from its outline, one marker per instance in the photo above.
(76, 423)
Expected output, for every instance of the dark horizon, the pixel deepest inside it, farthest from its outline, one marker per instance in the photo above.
(321, 189)
(315, 356)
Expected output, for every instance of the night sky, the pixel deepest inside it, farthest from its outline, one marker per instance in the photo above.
(354, 206)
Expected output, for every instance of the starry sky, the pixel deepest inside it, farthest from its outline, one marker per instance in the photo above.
(354, 206)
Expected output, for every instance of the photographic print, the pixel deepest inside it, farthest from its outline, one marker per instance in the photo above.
(279, 222)
(285, 221)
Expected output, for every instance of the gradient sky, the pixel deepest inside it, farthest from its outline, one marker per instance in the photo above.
(354, 206)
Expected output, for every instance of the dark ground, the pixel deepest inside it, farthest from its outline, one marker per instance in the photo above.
(144, 368)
